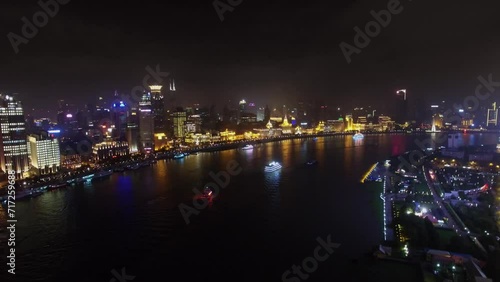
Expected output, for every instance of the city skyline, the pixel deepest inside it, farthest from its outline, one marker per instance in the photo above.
(238, 140)
(311, 66)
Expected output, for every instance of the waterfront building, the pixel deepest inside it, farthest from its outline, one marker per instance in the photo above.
(386, 123)
(286, 127)
(13, 145)
(119, 111)
(335, 125)
(109, 150)
(179, 118)
(70, 160)
(146, 124)
(158, 107)
(45, 154)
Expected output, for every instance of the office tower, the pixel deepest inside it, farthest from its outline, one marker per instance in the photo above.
(401, 106)
(146, 124)
(242, 106)
(13, 145)
(260, 114)
(158, 106)
(120, 119)
(44, 154)
(133, 131)
(492, 118)
(180, 119)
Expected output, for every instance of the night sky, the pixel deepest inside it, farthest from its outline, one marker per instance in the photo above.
(265, 51)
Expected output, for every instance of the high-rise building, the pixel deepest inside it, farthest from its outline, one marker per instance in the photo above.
(132, 134)
(120, 119)
(158, 107)
(45, 154)
(180, 118)
(146, 124)
(260, 114)
(13, 145)
(492, 118)
(401, 109)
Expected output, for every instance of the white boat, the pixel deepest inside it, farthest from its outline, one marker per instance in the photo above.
(247, 147)
(272, 167)
(179, 156)
(358, 136)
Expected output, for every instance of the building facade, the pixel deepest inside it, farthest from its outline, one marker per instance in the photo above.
(45, 154)
(146, 124)
(13, 144)
(109, 150)
(179, 119)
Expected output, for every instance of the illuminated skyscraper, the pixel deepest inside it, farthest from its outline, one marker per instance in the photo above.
(44, 153)
(158, 107)
(492, 118)
(120, 119)
(146, 124)
(133, 131)
(180, 118)
(13, 145)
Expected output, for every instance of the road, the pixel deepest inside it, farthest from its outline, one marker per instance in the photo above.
(461, 230)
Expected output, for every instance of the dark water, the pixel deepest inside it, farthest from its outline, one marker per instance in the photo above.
(256, 229)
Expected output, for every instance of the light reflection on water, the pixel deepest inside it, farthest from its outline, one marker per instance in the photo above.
(132, 218)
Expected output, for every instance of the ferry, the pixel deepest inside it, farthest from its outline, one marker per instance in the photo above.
(102, 174)
(272, 167)
(57, 186)
(179, 156)
(358, 136)
(247, 147)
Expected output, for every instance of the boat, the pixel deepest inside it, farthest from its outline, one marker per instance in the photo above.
(358, 136)
(179, 156)
(102, 174)
(133, 166)
(312, 162)
(272, 167)
(35, 194)
(57, 186)
(315, 139)
(247, 147)
(207, 193)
